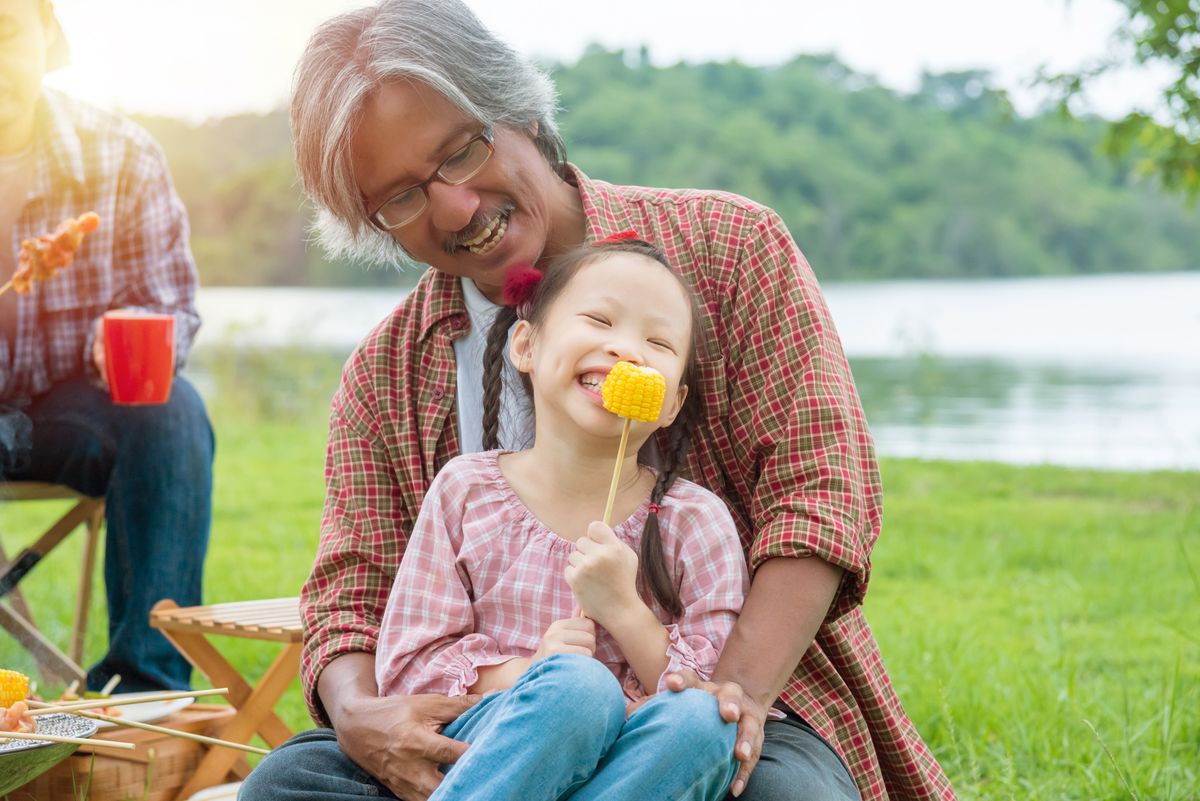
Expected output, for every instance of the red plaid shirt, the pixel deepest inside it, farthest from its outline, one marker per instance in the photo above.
(482, 579)
(785, 445)
(89, 160)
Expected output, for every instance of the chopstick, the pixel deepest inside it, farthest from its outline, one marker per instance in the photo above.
(145, 699)
(200, 738)
(112, 683)
(54, 738)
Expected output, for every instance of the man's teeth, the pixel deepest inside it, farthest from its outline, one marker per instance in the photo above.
(489, 237)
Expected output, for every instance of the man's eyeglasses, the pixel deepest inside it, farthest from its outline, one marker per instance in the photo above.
(461, 166)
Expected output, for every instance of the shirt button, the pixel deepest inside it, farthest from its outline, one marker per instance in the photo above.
(439, 393)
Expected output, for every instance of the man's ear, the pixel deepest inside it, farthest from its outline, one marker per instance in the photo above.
(680, 397)
(520, 350)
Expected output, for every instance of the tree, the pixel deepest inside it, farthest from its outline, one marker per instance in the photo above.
(1159, 32)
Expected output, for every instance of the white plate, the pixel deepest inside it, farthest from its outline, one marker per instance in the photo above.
(222, 792)
(149, 712)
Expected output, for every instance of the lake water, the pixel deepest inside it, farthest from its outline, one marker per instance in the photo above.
(1087, 371)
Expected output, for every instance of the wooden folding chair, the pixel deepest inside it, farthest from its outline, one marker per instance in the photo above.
(188, 628)
(15, 615)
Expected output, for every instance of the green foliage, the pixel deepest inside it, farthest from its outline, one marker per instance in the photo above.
(945, 182)
(1167, 142)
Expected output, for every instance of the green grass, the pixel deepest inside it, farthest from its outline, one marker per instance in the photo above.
(1041, 625)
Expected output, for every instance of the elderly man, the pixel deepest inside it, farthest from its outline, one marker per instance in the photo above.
(419, 135)
(153, 464)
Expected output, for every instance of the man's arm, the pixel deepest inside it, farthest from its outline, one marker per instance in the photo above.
(152, 264)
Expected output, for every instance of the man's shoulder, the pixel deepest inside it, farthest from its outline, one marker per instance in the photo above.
(691, 204)
(94, 126)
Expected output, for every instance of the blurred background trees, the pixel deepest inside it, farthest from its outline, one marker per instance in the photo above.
(945, 182)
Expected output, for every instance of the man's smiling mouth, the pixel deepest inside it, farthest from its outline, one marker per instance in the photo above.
(489, 236)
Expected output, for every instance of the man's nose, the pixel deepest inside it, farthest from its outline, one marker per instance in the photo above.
(452, 207)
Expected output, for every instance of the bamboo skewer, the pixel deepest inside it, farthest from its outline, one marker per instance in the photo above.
(112, 683)
(200, 738)
(616, 479)
(145, 699)
(54, 738)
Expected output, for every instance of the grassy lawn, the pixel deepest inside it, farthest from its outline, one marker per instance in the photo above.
(1041, 625)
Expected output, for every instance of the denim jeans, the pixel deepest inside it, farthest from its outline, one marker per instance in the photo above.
(560, 732)
(153, 465)
(796, 765)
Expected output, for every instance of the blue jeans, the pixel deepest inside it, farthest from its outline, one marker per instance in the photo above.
(560, 732)
(153, 465)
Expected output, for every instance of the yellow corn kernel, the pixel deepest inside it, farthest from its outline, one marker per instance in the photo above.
(14, 687)
(634, 392)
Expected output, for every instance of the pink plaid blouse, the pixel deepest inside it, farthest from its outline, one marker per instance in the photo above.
(482, 580)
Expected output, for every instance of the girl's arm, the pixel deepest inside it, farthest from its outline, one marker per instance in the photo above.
(500, 677)
(644, 641)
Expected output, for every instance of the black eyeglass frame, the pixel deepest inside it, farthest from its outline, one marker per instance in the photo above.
(487, 136)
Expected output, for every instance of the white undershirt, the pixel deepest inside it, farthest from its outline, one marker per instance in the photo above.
(516, 409)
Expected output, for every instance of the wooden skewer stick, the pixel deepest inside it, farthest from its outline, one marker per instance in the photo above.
(112, 683)
(616, 479)
(54, 738)
(200, 738)
(145, 699)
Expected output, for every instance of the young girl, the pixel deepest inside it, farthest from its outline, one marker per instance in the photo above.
(510, 587)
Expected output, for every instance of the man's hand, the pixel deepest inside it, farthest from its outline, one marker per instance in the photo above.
(603, 574)
(396, 739)
(575, 635)
(736, 706)
(98, 357)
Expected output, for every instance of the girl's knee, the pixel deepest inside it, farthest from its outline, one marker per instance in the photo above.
(696, 716)
(580, 683)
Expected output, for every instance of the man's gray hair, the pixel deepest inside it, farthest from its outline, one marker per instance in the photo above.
(438, 42)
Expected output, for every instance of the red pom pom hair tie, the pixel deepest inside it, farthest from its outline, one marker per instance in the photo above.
(518, 288)
(620, 236)
(655, 508)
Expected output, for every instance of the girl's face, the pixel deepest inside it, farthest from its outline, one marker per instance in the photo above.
(617, 307)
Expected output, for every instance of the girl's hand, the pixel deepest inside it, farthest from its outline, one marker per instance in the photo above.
(575, 635)
(603, 574)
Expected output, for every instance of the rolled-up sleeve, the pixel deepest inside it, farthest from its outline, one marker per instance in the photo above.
(796, 419)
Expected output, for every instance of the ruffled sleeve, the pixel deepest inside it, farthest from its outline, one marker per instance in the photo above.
(710, 568)
(428, 641)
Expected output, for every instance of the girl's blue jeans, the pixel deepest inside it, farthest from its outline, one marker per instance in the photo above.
(560, 732)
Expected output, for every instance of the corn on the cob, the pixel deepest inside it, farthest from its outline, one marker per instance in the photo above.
(634, 392)
(14, 687)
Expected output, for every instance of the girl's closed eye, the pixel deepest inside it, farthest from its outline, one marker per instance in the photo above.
(598, 318)
(662, 343)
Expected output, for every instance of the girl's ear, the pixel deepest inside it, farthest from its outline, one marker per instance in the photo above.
(680, 397)
(520, 350)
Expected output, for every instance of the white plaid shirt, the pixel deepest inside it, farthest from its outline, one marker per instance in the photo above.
(89, 160)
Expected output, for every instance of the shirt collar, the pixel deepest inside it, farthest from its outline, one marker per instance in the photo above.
(58, 152)
(605, 215)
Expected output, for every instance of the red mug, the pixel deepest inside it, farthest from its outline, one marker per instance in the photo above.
(139, 356)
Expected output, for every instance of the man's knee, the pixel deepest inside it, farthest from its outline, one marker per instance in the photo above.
(797, 765)
(310, 765)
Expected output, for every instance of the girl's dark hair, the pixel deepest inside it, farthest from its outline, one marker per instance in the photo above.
(654, 577)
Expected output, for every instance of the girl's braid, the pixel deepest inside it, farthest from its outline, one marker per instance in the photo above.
(493, 375)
